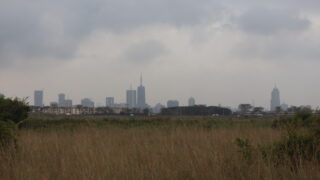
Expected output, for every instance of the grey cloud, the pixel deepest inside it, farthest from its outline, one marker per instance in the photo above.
(54, 28)
(269, 21)
(279, 49)
(145, 52)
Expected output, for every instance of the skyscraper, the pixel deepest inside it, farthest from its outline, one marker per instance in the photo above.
(68, 103)
(275, 99)
(38, 98)
(191, 101)
(86, 102)
(131, 98)
(141, 104)
(110, 102)
(172, 103)
(62, 100)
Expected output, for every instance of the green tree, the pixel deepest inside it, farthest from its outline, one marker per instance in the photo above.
(13, 110)
(258, 109)
(244, 108)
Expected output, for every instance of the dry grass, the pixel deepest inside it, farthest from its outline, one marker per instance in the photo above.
(142, 153)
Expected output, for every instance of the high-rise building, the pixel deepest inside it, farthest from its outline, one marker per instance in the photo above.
(38, 98)
(157, 108)
(191, 101)
(110, 102)
(1, 95)
(275, 99)
(62, 100)
(68, 103)
(86, 102)
(172, 103)
(141, 104)
(284, 107)
(131, 99)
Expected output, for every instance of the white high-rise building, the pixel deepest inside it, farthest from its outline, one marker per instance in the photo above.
(191, 101)
(38, 98)
(275, 99)
(68, 103)
(157, 108)
(86, 102)
(110, 102)
(141, 103)
(172, 103)
(62, 100)
(131, 99)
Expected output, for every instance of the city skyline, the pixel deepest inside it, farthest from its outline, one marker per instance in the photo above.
(132, 100)
(110, 101)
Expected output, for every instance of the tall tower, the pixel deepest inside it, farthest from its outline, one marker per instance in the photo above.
(275, 99)
(38, 98)
(61, 100)
(131, 98)
(191, 101)
(141, 104)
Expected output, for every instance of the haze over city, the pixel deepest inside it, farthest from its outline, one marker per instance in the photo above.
(219, 52)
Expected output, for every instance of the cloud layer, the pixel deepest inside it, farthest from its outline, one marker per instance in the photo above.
(184, 47)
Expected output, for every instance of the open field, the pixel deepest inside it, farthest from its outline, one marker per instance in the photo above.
(155, 148)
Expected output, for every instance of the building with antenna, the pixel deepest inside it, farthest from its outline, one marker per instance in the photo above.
(141, 103)
(275, 99)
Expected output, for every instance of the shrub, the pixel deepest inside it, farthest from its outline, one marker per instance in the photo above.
(301, 141)
(245, 149)
(13, 110)
(7, 133)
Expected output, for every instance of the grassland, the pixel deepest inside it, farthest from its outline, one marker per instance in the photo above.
(144, 148)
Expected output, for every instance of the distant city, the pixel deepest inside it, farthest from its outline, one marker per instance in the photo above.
(136, 104)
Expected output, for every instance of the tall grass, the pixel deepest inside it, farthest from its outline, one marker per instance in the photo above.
(183, 151)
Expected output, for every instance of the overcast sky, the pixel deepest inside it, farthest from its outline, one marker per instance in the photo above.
(218, 51)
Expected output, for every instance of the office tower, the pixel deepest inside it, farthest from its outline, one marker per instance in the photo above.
(284, 107)
(131, 98)
(110, 102)
(86, 102)
(61, 100)
(68, 103)
(191, 101)
(38, 98)
(157, 108)
(275, 99)
(172, 103)
(141, 104)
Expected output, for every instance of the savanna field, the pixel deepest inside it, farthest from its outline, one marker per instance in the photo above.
(161, 148)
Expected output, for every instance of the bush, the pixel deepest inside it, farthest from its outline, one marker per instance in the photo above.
(245, 149)
(12, 111)
(7, 133)
(300, 142)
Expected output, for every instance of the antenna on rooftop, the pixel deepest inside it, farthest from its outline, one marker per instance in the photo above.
(141, 79)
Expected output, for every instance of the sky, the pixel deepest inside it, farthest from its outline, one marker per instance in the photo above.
(223, 52)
